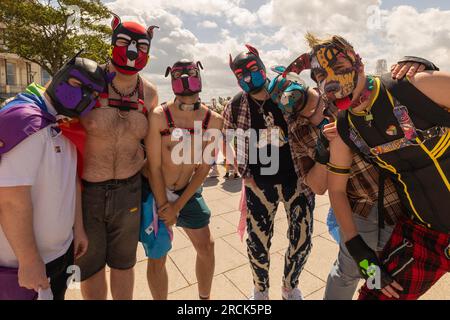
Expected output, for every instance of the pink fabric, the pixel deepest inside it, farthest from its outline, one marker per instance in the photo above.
(155, 219)
(177, 86)
(243, 209)
(170, 230)
(194, 84)
(155, 222)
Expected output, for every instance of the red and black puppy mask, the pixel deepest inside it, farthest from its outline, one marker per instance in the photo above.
(130, 45)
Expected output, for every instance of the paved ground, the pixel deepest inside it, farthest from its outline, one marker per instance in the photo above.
(233, 279)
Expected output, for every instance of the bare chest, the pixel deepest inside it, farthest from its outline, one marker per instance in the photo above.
(110, 122)
(183, 147)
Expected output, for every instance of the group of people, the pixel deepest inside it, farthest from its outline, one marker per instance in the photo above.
(90, 165)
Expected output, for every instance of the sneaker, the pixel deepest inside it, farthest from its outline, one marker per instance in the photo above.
(258, 295)
(227, 175)
(292, 294)
(236, 176)
(214, 172)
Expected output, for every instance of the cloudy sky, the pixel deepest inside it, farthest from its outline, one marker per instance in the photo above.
(209, 30)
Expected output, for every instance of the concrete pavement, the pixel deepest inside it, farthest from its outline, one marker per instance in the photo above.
(233, 278)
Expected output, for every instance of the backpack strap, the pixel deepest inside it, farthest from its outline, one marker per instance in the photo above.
(382, 176)
(416, 102)
(235, 106)
(349, 135)
(346, 133)
(206, 120)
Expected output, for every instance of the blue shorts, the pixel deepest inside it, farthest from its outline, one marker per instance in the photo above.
(156, 247)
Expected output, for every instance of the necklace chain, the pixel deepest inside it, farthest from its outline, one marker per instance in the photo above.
(370, 85)
(260, 105)
(117, 91)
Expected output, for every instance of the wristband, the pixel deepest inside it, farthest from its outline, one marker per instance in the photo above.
(343, 171)
(369, 265)
(429, 66)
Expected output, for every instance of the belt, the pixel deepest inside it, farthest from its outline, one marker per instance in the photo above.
(112, 182)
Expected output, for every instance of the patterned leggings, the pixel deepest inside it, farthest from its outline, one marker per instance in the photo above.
(262, 203)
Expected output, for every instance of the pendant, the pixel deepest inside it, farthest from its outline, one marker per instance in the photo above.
(368, 117)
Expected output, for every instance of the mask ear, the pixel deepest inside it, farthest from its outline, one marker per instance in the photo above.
(231, 62)
(168, 70)
(74, 58)
(115, 21)
(199, 65)
(252, 50)
(301, 63)
(278, 69)
(150, 31)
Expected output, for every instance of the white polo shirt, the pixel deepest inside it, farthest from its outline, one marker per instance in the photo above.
(47, 162)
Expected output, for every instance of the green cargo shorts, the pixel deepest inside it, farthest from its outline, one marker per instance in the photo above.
(195, 214)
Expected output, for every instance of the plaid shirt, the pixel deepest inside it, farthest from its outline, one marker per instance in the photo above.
(243, 123)
(362, 188)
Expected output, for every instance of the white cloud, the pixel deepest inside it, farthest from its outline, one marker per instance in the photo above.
(207, 24)
(277, 29)
(426, 34)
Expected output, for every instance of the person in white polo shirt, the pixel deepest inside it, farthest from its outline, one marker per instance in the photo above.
(41, 228)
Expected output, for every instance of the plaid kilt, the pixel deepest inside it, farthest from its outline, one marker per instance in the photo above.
(416, 257)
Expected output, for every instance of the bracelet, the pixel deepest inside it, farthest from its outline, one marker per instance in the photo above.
(338, 170)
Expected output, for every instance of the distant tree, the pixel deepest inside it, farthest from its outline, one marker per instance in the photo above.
(48, 32)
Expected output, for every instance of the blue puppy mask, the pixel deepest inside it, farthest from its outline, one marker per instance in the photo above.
(290, 96)
(249, 70)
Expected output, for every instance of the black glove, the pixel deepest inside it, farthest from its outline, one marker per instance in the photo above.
(429, 66)
(366, 257)
(322, 154)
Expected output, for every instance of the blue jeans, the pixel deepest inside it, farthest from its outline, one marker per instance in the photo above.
(333, 226)
(344, 275)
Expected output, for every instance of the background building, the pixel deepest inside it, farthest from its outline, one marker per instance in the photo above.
(381, 67)
(17, 73)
